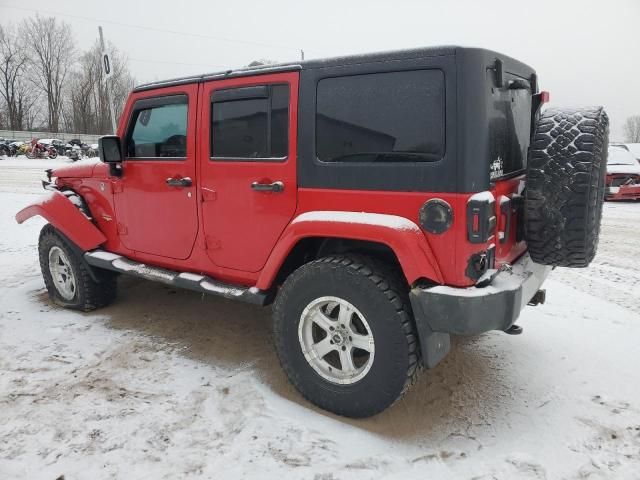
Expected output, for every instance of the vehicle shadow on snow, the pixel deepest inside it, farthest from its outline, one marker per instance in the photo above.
(470, 389)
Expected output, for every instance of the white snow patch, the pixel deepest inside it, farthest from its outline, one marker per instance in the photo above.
(191, 276)
(630, 169)
(485, 196)
(106, 256)
(379, 219)
(524, 272)
(221, 289)
(143, 270)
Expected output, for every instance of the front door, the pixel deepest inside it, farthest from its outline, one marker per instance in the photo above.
(155, 198)
(248, 166)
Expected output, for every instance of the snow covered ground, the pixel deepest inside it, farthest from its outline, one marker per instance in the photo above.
(171, 384)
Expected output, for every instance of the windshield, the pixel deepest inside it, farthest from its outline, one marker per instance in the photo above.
(620, 156)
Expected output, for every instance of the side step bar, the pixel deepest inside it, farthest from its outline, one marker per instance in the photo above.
(191, 281)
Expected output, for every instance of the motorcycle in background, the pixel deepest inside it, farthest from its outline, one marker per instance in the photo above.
(40, 150)
(76, 149)
(73, 152)
(7, 148)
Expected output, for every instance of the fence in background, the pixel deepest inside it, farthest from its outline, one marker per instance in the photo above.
(24, 136)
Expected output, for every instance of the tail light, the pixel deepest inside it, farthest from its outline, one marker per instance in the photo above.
(481, 217)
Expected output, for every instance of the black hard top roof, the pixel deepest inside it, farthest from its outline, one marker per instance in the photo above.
(317, 63)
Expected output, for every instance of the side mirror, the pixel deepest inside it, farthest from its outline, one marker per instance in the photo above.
(110, 149)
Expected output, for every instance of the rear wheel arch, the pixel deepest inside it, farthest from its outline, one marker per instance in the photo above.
(397, 238)
(308, 249)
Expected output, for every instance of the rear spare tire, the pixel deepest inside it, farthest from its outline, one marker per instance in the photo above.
(565, 187)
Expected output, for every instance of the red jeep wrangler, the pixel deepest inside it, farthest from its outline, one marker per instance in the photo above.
(382, 202)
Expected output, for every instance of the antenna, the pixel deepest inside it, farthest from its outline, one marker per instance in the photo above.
(107, 71)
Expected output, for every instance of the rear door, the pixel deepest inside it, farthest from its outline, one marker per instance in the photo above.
(509, 137)
(248, 166)
(155, 198)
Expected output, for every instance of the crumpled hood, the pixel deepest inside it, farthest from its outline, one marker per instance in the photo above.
(80, 169)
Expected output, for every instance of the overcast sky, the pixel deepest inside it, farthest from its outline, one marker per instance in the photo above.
(585, 52)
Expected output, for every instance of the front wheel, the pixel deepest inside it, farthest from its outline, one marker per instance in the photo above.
(53, 153)
(345, 334)
(66, 276)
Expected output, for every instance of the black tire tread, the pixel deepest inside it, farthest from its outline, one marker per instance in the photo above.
(93, 294)
(565, 186)
(388, 282)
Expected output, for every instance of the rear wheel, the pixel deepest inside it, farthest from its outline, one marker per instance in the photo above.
(345, 335)
(66, 276)
(566, 185)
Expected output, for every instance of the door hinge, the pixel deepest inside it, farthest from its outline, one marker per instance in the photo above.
(212, 243)
(117, 186)
(122, 229)
(208, 195)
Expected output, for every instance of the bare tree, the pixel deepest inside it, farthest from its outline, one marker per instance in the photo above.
(18, 95)
(51, 50)
(632, 129)
(86, 108)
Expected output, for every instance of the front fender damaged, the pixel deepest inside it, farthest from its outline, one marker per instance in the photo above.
(58, 210)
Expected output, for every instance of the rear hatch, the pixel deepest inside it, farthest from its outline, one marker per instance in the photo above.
(510, 120)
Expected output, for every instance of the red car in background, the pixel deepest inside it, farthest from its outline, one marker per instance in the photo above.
(623, 174)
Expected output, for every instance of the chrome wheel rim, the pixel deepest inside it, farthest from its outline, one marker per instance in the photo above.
(62, 274)
(336, 340)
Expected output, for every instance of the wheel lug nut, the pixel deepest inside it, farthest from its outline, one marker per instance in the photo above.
(344, 348)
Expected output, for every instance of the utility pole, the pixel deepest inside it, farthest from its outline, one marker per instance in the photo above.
(107, 71)
(301, 54)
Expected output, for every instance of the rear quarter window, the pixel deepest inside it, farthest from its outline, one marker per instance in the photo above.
(381, 117)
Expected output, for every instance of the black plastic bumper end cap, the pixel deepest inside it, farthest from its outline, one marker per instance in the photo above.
(514, 330)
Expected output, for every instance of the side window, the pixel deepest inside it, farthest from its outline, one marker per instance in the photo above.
(158, 128)
(250, 122)
(381, 117)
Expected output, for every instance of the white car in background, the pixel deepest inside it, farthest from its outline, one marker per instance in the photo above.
(623, 174)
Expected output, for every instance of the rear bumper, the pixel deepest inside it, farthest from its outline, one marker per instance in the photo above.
(623, 192)
(441, 310)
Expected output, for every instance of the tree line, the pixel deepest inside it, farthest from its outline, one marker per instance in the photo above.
(48, 84)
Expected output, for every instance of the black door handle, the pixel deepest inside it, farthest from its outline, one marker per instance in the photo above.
(268, 187)
(179, 182)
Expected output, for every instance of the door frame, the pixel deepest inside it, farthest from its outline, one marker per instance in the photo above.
(288, 163)
(190, 162)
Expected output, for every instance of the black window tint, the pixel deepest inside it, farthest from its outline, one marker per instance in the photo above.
(509, 128)
(251, 127)
(159, 130)
(381, 117)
